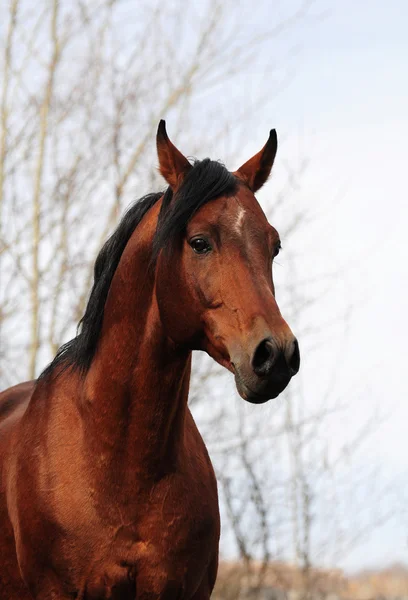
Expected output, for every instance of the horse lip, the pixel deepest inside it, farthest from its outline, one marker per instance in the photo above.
(251, 396)
(255, 397)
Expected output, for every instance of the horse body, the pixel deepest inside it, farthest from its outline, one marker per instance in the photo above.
(102, 465)
(111, 526)
(114, 523)
(107, 490)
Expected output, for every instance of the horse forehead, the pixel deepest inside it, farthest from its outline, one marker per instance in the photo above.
(239, 220)
(234, 211)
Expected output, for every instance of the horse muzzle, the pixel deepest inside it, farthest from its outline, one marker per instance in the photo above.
(268, 371)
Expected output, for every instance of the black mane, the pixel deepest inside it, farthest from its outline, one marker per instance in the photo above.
(206, 181)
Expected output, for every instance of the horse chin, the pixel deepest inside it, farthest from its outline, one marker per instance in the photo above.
(263, 394)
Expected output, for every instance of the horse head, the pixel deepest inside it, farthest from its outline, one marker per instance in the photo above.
(214, 281)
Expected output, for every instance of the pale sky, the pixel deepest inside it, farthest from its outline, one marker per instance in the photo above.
(346, 107)
(345, 110)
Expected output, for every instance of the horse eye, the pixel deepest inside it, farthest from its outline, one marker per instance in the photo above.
(200, 245)
(278, 247)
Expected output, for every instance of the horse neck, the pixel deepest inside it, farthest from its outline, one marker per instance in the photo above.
(137, 387)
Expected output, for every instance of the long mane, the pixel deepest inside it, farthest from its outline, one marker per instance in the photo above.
(206, 181)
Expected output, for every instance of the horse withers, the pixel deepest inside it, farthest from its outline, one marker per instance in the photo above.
(107, 490)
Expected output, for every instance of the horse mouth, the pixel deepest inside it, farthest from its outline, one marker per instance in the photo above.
(255, 397)
(267, 390)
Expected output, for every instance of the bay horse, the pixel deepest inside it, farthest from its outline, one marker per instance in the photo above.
(107, 489)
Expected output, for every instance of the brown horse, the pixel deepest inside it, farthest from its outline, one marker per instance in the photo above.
(107, 490)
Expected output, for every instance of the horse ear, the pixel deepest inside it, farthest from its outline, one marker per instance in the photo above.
(173, 165)
(257, 169)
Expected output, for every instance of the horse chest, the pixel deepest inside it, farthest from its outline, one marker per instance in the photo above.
(163, 551)
(179, 528)
(121, 583)
(167, 567)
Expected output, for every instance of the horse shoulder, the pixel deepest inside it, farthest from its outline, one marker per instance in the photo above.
(13, 403)
(14, 398)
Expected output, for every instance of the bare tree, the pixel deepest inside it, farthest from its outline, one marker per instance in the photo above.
(290, 490)
(84, 85)
(83, 88)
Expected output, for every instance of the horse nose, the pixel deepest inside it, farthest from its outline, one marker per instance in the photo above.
(292, 356)
(264, 357)
(267, 356)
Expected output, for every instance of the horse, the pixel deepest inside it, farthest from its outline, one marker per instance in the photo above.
(107, 490)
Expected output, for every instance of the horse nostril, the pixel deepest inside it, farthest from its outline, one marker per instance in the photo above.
(293, 357)
(264, 358)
